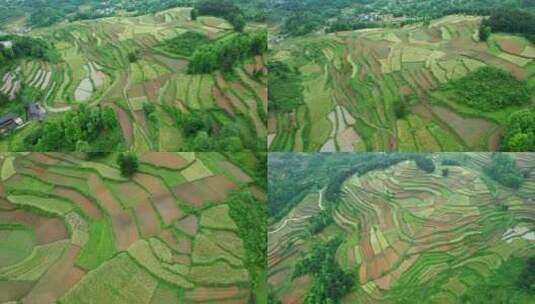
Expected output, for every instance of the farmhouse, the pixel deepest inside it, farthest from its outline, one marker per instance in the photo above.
(9, 122)
(35, 111)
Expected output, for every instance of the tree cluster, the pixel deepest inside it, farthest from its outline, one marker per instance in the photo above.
(490, 89)
(226, 53)
(27, 47)
(84, 130)
(224, 9)
(285, 91)
(203, 133)
(512, 21)
(505, 171)
(330, 282)
(520, 135)
(249, 214)
(184, 44)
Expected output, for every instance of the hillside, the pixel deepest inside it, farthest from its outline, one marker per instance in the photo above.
(74, 231)
(125, 63)
(402, 235)
(393, 89)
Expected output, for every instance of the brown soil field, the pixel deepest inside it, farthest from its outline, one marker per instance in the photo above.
(88, 206)
(167, 160)
(147, 219)
(188, 225)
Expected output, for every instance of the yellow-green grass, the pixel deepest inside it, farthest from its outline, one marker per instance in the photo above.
(119, 280)
(206, 251)
(37, 263)
(142, 253)
(47, 204)
(17, 244)
(196, 171)
(100, 247)
(211, 275)
(217, 218)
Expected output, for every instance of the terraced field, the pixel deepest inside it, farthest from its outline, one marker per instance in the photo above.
(76, 231)
(353, 80)
(410, 236)
(96, 70)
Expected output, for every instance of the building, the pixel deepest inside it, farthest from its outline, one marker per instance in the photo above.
(35, 111)
(9, 122)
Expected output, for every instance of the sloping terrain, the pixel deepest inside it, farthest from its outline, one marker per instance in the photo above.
(76, 231)
(116, 62)
(410, 236)
(355, 81)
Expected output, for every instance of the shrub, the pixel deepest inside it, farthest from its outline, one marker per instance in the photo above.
(128, 164)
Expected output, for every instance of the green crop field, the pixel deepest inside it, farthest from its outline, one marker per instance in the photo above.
(393, 88)
(400, 228)
(140, 239)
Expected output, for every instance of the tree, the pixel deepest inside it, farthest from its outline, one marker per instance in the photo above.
(239, 23)
(133, 56)
(400, 109)
(445, 172)
(194, 14)
(128, 164)
(425, 164)
(484, 32)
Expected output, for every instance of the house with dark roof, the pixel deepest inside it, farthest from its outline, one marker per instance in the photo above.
(9, 122)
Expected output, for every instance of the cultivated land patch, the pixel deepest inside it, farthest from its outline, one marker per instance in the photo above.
(113, 239)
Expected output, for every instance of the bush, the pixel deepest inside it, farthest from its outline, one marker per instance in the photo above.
(285, 92)
(504, 170)
(520, 134)
(128, 164)
(425, 164)
(400, 109)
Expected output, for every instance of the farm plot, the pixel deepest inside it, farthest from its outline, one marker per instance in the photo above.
(402, 229)
(121, 240)
(381, 79)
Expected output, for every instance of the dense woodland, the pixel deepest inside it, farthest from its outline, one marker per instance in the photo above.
(330, 283)
(285, 92)
(510, 21)
(224, 54)
(27, 47)
(490, 89)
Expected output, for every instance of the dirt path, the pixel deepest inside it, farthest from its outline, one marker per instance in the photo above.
(320, 201)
